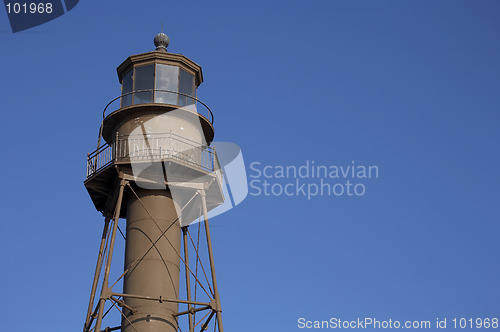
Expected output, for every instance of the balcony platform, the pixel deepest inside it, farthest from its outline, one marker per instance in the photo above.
(181, 167)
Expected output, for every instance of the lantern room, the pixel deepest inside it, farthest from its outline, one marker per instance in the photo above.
(160, 88)
(159, 77)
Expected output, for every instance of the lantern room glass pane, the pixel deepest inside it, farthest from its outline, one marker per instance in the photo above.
(127, 84)
(166, 78)
(186, 86)
(144, 80)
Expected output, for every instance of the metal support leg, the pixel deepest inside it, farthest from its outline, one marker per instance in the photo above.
(105, 282)
(97, 273)
(188, 277)
(211, 257)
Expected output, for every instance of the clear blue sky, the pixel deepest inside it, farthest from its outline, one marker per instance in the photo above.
(409, 86)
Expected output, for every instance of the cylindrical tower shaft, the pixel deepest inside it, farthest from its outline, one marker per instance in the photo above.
(149, 214)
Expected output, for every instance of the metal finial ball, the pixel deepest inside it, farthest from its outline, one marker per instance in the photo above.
(161, 41)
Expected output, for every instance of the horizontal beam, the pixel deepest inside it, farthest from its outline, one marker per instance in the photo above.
(192, 311)
(159, 299)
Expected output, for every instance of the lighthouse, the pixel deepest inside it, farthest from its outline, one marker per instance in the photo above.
(155, 174)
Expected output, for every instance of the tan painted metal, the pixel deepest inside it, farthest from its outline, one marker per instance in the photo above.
(218, 309)
(188, 279)
(148, 214)
(151, 296)
(107, 268)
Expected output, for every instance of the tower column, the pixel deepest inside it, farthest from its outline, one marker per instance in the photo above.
(152, 273)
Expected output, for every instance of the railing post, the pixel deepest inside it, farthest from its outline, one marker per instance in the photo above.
(115, 157)
(214, 155)
(171, 154)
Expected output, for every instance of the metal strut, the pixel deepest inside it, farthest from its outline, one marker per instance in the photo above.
(107, 246)
(211, 257)
(105, 282)
(188, 278)
(97, 273)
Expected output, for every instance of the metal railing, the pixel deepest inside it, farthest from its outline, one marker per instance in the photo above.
(193, 107)
(99, 159)
(160, 96)
(152, 148)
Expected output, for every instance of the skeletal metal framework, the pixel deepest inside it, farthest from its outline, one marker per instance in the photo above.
(158, 171)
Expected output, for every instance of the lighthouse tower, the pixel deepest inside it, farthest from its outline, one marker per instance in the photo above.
(157, 170)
